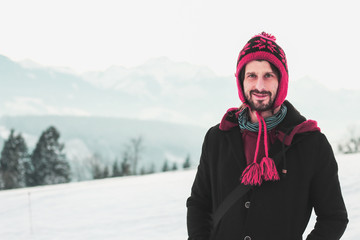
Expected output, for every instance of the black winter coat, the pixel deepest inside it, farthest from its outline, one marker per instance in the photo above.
(275, 210)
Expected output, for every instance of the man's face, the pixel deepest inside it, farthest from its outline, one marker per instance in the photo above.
(260, 85)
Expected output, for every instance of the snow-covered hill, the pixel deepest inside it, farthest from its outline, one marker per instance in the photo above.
(131, 208)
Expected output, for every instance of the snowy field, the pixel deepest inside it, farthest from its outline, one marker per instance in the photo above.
(130, 208)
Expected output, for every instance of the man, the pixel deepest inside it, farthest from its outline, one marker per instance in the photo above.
(281, 162)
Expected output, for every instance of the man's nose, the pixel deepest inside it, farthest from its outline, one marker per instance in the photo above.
(260, 84)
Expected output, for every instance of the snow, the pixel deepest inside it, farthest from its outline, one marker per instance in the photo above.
(131, 208)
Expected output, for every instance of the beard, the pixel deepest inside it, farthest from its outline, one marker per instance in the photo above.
(260, 105)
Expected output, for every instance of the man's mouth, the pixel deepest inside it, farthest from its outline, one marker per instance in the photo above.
(260, 95)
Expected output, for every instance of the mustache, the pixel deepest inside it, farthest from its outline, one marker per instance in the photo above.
(260, 92)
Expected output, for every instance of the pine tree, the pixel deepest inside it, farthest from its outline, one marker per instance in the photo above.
(152, 168)
(14, 157)
(98, 168)
(106, 172)
(116, 172)
(49, 162)
(165, 167)
(187, 162)
(125, 166)
(137, 148)
(97, 172)
(174, 167)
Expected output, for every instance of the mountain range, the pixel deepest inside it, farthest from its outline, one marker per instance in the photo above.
(170, 104)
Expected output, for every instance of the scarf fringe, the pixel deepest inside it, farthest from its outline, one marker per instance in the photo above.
(268, 170)
(252, 175)
(255, 173)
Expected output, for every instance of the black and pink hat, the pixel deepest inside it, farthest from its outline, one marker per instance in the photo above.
(264, 47)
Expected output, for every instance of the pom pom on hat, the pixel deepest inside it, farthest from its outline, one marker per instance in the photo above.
(268, 36)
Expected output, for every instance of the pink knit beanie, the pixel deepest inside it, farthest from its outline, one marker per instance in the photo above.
(264, 47)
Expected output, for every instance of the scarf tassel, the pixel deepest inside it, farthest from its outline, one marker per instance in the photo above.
(255, 173)
(252, 175)
(268, 170)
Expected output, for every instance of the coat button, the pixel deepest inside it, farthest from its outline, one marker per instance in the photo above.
(247, 204)
(247, 238)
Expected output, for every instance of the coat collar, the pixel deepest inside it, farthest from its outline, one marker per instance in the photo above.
(292, 118)
(292, 124)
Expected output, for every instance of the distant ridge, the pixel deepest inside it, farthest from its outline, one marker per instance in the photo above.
(159, 90)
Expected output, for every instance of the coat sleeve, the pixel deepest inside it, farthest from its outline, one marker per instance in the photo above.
(331, 215)
(199, 204)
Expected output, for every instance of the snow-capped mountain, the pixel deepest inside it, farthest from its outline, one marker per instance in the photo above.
(100, 111)
(159, 90)
(335, 111)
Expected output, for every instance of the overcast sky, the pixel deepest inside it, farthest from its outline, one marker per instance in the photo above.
(320, 38)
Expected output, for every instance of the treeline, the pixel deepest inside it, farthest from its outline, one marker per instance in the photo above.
(47, 163)
(350, 146)
(128, 165)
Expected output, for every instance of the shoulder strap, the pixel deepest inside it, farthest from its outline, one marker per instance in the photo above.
(239, 192)
(230, 200)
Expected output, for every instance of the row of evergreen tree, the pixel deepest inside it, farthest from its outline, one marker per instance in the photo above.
(132, 155)
(47, 163)
(350, 146)
(124, 168)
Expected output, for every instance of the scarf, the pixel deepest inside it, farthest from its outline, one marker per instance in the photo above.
(271, 122)
(255, 172)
